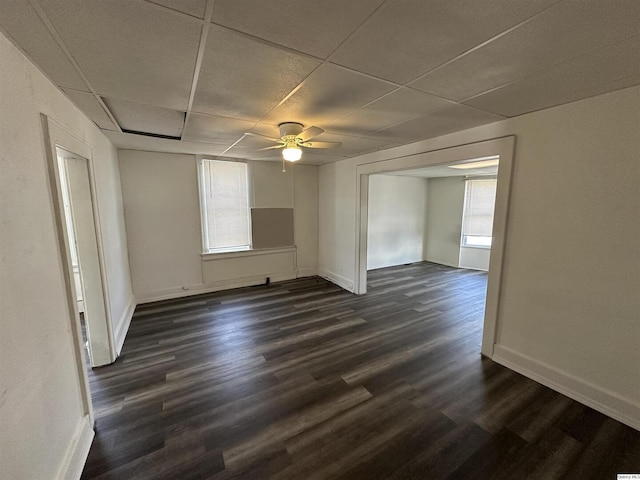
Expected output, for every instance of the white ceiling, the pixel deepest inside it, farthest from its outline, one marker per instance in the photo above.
(373, 73)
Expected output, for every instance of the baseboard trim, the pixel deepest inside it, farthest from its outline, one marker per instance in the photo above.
(609, 403)
(212, 287)
(307, 272)
(339, 280)
(76, 457)
(123, 325)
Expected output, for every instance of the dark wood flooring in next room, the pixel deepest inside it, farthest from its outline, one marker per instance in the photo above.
(302, 380)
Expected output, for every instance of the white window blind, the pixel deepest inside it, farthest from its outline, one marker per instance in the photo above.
(225, 202)
(477, 223)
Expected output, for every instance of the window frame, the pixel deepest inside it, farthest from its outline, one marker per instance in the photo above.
(463, 236)
(204, 224)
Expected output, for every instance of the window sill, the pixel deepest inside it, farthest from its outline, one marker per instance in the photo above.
(246, 253)
(477, 247)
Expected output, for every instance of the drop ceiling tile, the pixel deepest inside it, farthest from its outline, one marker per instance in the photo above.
(399, 106)
(316, 28)
(21, 22)
(129, 50)
(238, 151)
(407, 38)
(212, 129)
(190, 7)
(329, 92)
(321, 159)
(244, 78)
(129, 141)
(352, 145)
(255, 144)
(440, 122)
(146, 118)
(617, 66)
(566, 30)
(92, 108)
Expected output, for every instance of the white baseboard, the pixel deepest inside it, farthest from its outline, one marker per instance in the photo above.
(611, 404)
(337, 279)
(179, 292)
(307, 272)
(124, 323)
(76, 457)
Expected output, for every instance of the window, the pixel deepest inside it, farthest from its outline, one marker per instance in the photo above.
(477, 222)
(225, 206)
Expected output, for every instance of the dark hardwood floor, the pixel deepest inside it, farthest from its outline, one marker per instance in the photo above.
(302, 380)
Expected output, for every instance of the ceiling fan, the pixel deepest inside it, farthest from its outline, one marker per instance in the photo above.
(293, 135)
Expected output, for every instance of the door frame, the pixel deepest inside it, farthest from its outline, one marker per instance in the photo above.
(504, 147)
(56, 135)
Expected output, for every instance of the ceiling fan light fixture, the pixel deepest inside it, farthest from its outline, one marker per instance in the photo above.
(292, 153)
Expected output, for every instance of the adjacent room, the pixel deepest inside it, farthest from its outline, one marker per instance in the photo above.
(374, 239)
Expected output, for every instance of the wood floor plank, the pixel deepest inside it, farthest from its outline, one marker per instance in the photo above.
(303, 380)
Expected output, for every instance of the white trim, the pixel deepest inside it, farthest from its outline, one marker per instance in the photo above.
(503, 147)
(204, 222)
(208, 257)
(76, 456)
(204, 233)
(179, 292)
(611, 404)
(57, 135)
(124, 323)
(53, 133)
(339, 280)
(95, 205)
(476, 247)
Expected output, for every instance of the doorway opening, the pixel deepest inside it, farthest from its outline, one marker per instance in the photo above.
(82, 243)
(429, 233)
(503, 148)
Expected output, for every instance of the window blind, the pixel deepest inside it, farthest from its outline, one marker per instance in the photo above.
(226, 204)
(477, 224)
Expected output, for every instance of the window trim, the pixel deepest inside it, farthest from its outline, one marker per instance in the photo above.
(246, 253)
(463, 236)
(204, 224)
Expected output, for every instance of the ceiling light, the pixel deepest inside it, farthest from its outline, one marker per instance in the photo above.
(482, 164)
(292, 153)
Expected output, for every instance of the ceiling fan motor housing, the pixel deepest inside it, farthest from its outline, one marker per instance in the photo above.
(290, 129)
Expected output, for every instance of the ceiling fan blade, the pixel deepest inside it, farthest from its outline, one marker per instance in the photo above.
(310, 133)
(270, 148)
(321, 144)
(259, 135)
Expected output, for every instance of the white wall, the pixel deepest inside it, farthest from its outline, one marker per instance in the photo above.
(569, 300)
(413, 219)
(163, 226)
(444, 229)
(162, 214)
(336, 222)
(397, 220)
(305, 219)
(41, 411)
(445, 205)
(475, 258)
